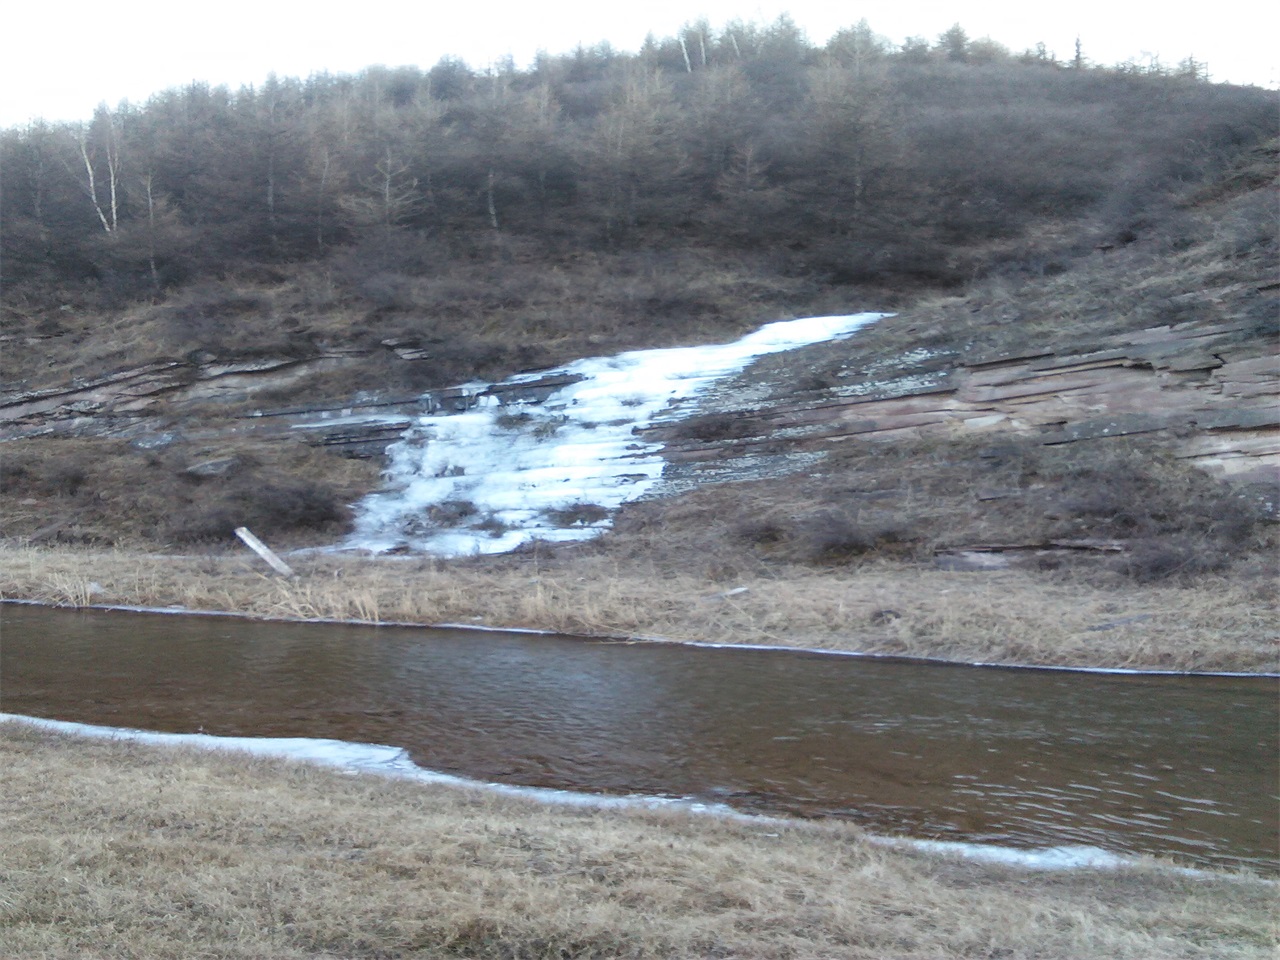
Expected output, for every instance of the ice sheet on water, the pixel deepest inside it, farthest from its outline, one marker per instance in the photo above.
(500, 475)
(371, 758)
(354, 758)
(1071, 857)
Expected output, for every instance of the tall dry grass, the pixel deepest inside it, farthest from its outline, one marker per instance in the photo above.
(885, 608)
(119, 850)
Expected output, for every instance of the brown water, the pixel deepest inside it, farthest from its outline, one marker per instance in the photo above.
(1174, 765)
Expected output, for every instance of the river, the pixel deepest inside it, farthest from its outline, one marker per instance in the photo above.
(1184, 766)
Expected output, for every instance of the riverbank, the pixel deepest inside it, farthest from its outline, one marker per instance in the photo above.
(1006, 616)
(264, 857)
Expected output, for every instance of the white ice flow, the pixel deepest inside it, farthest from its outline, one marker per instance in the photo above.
(499, 475)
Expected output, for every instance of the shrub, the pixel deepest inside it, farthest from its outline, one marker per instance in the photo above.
(107, 491)
(281, 507)
(715, 426)
(451, 512)
(578, 514)
(830, 537)
(760, 532)
(1172, 559)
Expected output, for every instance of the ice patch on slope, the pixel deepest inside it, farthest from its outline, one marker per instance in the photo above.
(501, 474)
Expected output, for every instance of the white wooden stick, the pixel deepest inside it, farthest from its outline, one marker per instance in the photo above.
(265, 552)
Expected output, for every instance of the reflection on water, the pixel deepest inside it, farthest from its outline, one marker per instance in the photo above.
(1186, 766)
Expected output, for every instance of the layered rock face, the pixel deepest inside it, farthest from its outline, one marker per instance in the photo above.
(1211, 391)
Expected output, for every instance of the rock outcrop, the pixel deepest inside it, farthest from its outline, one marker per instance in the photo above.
(1212, 391)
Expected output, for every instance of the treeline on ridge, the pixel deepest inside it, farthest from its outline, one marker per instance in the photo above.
(856, 162)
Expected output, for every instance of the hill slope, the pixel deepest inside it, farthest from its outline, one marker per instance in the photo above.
(1168, 342)
(1085, 392)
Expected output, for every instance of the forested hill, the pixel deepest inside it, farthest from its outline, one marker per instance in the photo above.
(704, 183)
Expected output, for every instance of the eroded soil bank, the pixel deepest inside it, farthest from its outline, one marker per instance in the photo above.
(1003, 616)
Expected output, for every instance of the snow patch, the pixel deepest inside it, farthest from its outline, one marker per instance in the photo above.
(500, 475)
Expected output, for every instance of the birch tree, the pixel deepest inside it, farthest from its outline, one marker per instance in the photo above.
(97, 166)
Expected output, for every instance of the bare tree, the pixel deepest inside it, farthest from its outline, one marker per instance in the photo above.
(391, 195)
(633, 148)
(98, 146)
(148, 187)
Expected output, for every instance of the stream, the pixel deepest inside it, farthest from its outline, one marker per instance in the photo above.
(1174, 765)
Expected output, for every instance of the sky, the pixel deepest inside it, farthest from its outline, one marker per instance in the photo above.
(79, 54)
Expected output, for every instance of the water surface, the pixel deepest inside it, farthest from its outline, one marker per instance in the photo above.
(1172, 765)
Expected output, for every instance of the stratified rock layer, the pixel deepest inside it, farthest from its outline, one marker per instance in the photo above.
(1212, 391)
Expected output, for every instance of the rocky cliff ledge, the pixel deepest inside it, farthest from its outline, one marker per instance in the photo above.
(1210, 390)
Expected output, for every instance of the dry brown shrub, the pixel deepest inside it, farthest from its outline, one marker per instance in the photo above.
(912, 498)
(109, 491)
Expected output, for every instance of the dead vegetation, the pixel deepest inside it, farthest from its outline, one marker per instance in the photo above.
(112, 850)
(913, 499)
(824, 554)
(473, 320)
(1210, 260)
(885, 607)
(119, 850)
(104, 492)
(906, 500)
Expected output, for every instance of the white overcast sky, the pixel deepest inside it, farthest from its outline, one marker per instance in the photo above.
(63, 58)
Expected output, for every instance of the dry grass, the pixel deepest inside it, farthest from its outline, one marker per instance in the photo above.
(1007, 616)
(118, 850)
(1204, 263)
(108, 491)
(484, 317)
(910, 498)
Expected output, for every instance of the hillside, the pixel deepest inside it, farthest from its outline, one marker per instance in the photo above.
(1079, 380)
(481, 223)
(1167, 341)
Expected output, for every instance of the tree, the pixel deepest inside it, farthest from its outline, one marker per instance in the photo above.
(450, 79)
(953, 44)
(531, 154)
(1039, 55)
(274, 149)
(322, 180)
(984, 50)
(857, 47)
(150, 249)
(716, 122)
(43, 218)
(99, 170)
(1190, 68)
(914, 50)
(632, 154)
(748, 201)
(390, 197)
(777, 71)
(850, 144)
(741, 40)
